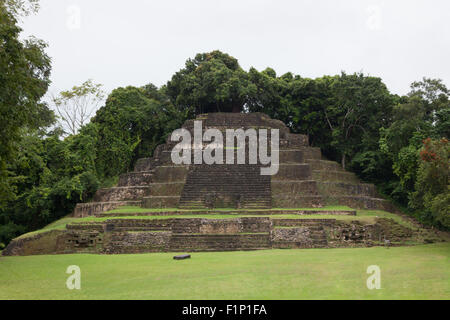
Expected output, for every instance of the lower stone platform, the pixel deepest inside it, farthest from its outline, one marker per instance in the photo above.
(142, 235)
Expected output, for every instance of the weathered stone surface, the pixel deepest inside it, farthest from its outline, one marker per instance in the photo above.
(301, 235)
(166, 189)
(336, 176)
(170, 173)
(136, 242)
(291, 156)
(133, 193)
(135, 179)
(161, 202)
(298, 201)
(293, 172)
(346, 189)
(50, 242)
(83, 210)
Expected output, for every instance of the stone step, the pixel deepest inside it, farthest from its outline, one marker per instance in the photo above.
(225, 184)
(190, 193)
(291, 156)
(164, 174)
(134, 193)
(166, 189)
(311, 153)
(92, 208)
(137, 229)
(135, 179)
(360, 202)
(313, 224)
(298, 201)
(334, 176)
(346, 189)
(324, 165)
(292, 172)
(305, 187)
(201, 242)
(160, 202)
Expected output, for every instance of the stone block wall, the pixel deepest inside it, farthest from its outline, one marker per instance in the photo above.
(196, 234)
(83, 210)
(136, 242)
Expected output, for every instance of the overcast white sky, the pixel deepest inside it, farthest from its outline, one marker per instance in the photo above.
(134, 42)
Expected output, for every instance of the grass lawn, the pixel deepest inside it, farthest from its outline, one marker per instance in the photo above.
(417, 272)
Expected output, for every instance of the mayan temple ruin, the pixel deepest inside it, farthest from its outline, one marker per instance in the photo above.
(163, 194)
(304, 179)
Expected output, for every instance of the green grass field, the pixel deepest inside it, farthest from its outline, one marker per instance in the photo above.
(416, 272)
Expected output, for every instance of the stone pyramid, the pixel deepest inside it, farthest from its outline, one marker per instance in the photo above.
(304, 179)
(223, 207)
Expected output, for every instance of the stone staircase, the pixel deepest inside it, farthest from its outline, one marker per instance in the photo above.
(219, 242)
(225, 186)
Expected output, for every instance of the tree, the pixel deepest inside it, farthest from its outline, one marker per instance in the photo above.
(75, 107)
(51, 175)
(359, 105)
(130, 126)
(271, 94)
(24, 79)
(422, 114)
(22, 7)
(432, 194)
(211, 82)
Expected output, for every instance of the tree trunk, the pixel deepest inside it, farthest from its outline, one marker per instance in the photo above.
(343, 161)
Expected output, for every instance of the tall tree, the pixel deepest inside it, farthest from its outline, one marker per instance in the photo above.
(211, 82)
(422, 114)
(359, 106)
(431, 197)
(20, 8)
(271, 94)
(24, 79)
(75, 107)
(130, 126)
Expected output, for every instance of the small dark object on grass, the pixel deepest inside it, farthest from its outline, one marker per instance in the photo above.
(182, 257)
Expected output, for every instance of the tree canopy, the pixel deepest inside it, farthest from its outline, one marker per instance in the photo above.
(211, 82)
